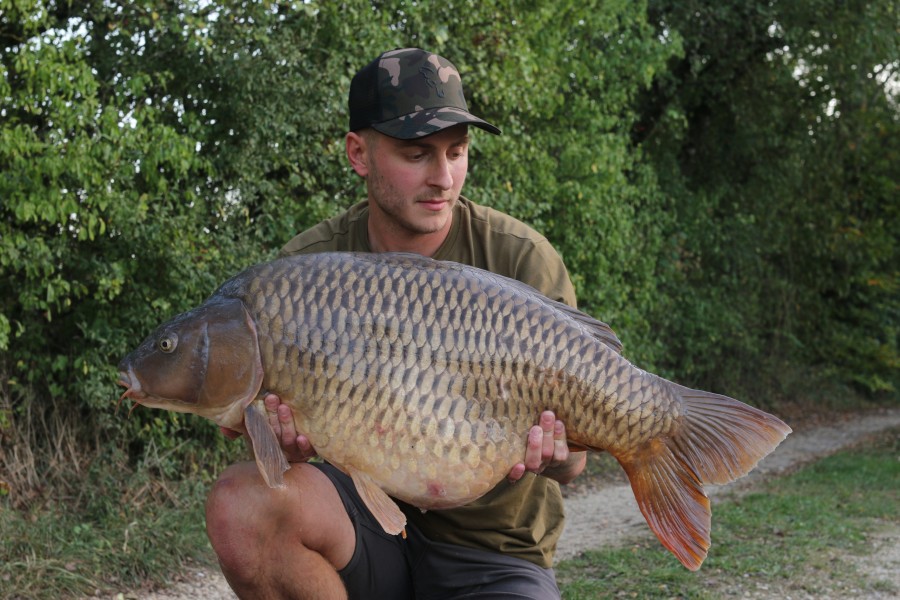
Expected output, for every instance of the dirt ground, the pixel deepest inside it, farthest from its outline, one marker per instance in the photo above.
(603, 515)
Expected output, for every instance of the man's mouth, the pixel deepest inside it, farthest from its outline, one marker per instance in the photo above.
(434, 204)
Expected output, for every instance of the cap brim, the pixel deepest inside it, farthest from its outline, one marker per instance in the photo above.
(425, 122)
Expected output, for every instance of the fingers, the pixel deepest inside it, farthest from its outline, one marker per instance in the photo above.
(286, 421)
(516, 473)
(296, 447)
(546, 445)
(281, 419)
(547, 422)
(560, 445)
(534, 449)
(305, 447)
(271, 402)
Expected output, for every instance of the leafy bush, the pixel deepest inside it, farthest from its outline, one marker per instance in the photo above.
(718, 177)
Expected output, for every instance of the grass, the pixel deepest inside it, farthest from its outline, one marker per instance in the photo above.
(796, 535)
(109, 525)
(83, 512)
(53, 553)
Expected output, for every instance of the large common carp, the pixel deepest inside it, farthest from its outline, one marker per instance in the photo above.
(421, 380)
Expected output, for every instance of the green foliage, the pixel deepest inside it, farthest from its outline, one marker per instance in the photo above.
(105, 228)
(566, 162)
(776, 138)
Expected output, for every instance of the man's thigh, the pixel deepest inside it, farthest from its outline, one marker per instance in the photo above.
(447, 571)
(386, 566)
(378, 567)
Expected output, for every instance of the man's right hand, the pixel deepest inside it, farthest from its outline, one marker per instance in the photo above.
(297, 448)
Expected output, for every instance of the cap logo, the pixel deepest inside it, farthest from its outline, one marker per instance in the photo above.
(428, 73)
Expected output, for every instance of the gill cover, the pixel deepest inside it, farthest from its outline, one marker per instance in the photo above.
(205, 361)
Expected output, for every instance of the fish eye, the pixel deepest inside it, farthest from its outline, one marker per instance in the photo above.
(168, 343)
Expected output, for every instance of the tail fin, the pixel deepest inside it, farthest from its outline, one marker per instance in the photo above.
(719, 440)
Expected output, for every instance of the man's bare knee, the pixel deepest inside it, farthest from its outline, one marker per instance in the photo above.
(226, 503)
(235, 519)
(245, 518)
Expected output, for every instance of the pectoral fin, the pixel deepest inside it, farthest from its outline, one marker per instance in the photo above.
(269, 458)
(385, 510)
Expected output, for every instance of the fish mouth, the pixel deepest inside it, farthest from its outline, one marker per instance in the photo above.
(134, 391)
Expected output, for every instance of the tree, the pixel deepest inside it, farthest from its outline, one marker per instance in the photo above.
(771, 134)
(105, 226)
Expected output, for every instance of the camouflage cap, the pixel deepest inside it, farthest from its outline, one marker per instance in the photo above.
(409, 93)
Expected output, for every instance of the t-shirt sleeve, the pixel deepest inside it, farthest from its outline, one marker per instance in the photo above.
(342, 233)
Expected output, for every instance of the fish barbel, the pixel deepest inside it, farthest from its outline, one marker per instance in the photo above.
(421, 379)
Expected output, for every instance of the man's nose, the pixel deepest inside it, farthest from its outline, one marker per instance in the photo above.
(440, 175)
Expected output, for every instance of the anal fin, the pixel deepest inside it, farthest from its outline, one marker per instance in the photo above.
(385, 510)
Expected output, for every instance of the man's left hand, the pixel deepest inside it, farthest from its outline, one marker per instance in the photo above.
(547, 452)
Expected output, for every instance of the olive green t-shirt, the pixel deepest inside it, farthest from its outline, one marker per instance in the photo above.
(524, 519)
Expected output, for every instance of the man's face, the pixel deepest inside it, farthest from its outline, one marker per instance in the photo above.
(416, 183)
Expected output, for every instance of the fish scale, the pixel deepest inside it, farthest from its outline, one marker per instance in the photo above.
(458, 338)
(421, 379)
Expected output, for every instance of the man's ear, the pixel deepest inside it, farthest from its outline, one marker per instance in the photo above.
(357, 153)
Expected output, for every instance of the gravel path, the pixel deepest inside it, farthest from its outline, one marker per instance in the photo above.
(609, 515)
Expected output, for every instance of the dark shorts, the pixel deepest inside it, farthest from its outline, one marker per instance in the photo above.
(388, 566)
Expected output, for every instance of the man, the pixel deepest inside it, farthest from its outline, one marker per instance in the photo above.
(314, 538)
